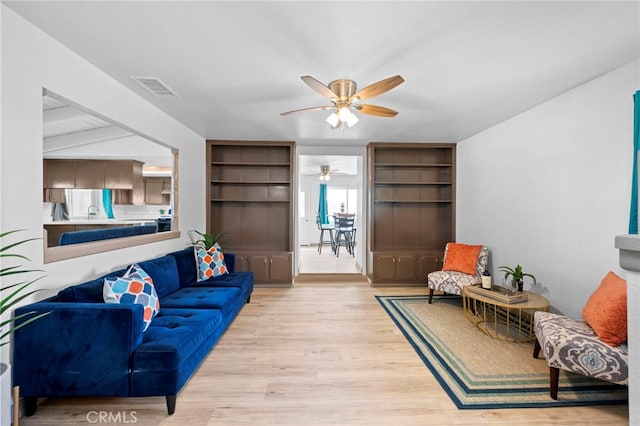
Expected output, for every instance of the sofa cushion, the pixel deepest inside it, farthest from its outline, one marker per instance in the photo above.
(187, 266)
(89, 291)
(224, 299)
(241, 280)
(164, 272)
(209, 263)
(606, 310)
(136, 286)
(172, 336)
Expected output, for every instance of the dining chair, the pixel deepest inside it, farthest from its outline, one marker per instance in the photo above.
(345, 232)
(324, 227)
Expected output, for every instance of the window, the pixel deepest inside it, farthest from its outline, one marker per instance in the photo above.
(80, 200)
(336, 197)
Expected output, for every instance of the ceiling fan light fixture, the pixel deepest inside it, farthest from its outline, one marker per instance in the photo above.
(352, 119)
(333, 119)
(344, 113)
(325, 173)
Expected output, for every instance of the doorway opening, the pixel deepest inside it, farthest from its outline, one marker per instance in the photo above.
(342, 175)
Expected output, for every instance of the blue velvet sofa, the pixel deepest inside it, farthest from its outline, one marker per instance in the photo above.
(86, 347)
(75, 237)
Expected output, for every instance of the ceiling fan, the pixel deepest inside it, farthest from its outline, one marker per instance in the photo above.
(325, 173)
(345, 97)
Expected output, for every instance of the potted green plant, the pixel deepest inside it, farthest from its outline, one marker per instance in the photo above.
(517, 276)
(10, 295)
(208, 240)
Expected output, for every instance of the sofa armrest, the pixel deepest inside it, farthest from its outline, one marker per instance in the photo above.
(76, 349)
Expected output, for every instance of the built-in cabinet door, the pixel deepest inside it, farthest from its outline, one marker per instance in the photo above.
(384, 267)
(260, 267)
(428, 264)
(242, 263)
(280, 268)
(405, 268)
(272, 268)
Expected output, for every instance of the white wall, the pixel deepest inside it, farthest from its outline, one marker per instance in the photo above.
(32, 60)
(550, 188)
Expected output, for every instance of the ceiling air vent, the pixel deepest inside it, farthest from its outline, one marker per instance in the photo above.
(155, 86)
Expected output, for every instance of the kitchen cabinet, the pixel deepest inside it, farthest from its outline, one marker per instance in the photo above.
(123, 176)
(54, 195)
(89, 174)
(137, 196)
(59, 174)
(157, 190)
(118, 174)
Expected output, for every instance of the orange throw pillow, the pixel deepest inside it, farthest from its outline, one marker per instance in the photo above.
(606, 310)
(461, 258)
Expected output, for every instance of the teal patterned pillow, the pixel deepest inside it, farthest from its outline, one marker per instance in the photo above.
(136, 286)
(210, 263)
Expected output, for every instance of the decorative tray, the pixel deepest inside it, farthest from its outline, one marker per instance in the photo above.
(499, 293)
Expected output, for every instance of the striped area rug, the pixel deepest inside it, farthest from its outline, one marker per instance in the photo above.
(480, 372)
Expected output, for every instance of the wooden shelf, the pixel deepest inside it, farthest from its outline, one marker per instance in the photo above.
(249, 196)
(412, 183)
(412, 201)
(386, 165)
(244, 164)
(226, 200)
(240, 182)
(412, 209)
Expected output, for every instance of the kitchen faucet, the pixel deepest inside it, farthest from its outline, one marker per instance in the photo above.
(92, 212)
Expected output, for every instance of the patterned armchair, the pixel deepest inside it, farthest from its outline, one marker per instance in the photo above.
(572, 345)
(452, 282)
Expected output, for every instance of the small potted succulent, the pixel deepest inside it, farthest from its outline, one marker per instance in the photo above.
(517, 276)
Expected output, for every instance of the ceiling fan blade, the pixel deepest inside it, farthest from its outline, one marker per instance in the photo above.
(297, 111)
(318, 87)
(378, 88)
(378, 111)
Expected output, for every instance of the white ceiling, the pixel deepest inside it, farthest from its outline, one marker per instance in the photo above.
(237, 65)
(338, 164)
(71, 132)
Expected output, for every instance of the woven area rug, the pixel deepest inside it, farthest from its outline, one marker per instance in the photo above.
(480, 372)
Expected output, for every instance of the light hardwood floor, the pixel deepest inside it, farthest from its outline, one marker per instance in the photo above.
(312, 262)
(314, 354)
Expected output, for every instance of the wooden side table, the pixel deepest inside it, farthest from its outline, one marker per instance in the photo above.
(512, 322)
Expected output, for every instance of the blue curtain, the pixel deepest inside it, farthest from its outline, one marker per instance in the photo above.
(633, 216)
(107, 203)
(323, 208)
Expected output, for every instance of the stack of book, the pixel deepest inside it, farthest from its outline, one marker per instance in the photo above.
(501, 294)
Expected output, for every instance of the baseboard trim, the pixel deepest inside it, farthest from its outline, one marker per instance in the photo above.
(331, 278)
